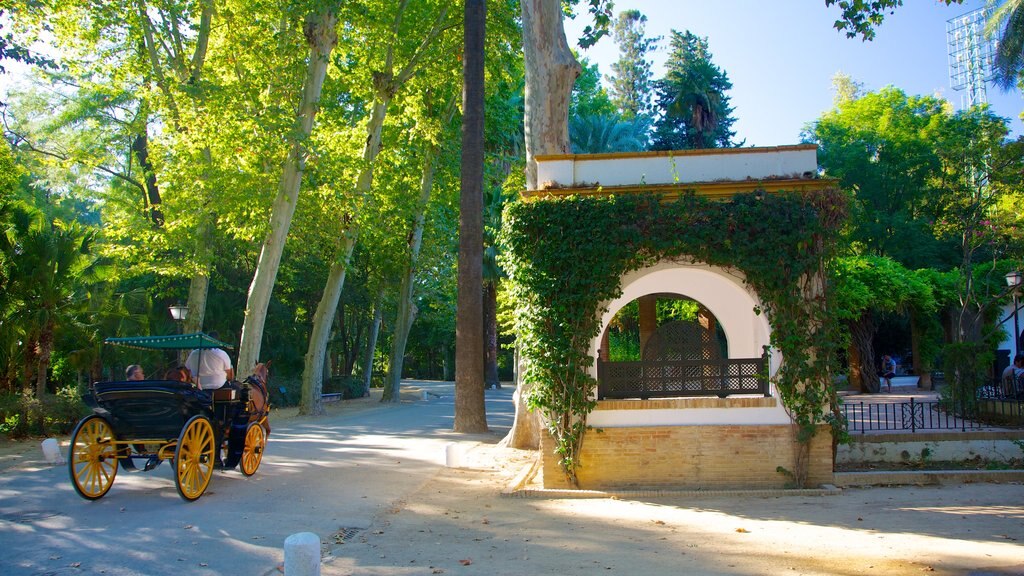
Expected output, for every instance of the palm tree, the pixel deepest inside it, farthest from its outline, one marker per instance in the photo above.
(1007, 24)
(51, 269)
(470, 415)
(692, 97)
(606, 133)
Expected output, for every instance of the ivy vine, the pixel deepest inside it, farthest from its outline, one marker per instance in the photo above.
(564, 258)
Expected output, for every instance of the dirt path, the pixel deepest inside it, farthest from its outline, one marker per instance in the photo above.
(460, 524)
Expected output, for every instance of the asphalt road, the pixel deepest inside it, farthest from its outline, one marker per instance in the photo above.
(325, 475)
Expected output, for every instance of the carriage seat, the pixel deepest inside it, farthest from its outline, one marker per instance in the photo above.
(224, 394)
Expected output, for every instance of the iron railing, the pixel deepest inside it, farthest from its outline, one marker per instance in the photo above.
(914, 415)
(679, 378)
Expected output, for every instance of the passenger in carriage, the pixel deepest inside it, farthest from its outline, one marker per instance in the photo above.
(179, 374)
(212, 366)
(134, 372)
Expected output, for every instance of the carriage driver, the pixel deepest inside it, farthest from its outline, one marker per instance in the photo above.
(214, 370)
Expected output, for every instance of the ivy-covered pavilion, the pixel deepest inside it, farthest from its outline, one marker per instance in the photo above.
(735, 397)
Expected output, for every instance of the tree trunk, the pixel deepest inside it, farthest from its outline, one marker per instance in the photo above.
(491, 335)
(406, 316)
(312, 374)
(311, 401)
(862, 331)
(321, 36)
(922, 365)
(551, 71)
(371, 346)
(140, 147)
(470, 411)
(45, 347)
(406, 307)
(386, 84)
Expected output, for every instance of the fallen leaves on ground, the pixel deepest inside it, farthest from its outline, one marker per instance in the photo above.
(743, 531)
(465, 561)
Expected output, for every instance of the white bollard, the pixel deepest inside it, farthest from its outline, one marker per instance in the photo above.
(424, 394)
(302, 555)
(452, 455)
(51, 451)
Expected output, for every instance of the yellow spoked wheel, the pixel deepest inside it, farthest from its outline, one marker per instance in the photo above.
(252, 453)
(193, 458)
(92, 459)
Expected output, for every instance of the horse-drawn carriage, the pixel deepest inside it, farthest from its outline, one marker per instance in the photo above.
(148, 421)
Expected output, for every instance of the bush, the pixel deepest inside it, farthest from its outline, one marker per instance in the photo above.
(349, 386)
(22, 415)
(285, 391)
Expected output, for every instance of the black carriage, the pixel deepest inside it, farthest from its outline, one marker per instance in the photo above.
(136, 425)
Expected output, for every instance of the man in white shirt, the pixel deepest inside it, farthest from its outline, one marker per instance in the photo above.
(212, 366)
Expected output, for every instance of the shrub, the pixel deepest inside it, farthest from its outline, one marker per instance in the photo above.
(349, 386)
(24, 415)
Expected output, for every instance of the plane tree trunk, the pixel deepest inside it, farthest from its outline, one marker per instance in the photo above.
(320, 30)
(551, 71)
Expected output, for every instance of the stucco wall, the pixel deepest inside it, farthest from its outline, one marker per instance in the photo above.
(740, 164)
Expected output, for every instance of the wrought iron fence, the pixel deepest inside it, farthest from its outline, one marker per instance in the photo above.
(681, 378)
(913, 416)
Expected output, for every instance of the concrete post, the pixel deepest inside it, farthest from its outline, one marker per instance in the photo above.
(302, 555)
(452, 455)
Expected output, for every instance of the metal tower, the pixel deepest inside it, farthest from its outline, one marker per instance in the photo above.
(970, 55)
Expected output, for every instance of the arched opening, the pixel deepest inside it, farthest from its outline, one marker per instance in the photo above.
(681, 328)
(681, 331)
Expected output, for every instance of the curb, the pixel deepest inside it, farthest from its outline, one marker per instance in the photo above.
(926, 477)
(544, 493)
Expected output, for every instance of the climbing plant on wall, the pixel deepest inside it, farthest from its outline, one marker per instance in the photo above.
(565, 257)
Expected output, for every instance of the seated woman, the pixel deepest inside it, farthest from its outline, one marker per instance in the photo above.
(179, 374)
(134, 373)
(1012, 377)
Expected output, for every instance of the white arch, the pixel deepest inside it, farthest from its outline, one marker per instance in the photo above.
(722, 292)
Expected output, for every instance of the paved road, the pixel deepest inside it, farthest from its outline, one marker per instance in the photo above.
(321, 475)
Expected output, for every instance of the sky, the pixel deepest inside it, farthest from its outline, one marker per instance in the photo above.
(781, 57)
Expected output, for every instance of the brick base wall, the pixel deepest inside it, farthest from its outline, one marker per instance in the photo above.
(691, 457)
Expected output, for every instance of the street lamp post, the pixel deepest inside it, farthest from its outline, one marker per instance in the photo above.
(1013, 280)
(179, 313)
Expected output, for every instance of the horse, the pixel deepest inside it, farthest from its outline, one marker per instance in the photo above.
(259, 397)
(256, 410)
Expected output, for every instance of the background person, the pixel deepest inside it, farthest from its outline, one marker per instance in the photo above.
(134, 372)
(888, 371)
(179, 374)
(211, 366)
(1013, 374)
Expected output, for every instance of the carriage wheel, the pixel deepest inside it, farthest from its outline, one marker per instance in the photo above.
(252, 453)
(92, 458)
(194, 457)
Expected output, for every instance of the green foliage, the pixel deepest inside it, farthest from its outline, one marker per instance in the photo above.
(860, 17)
(564, 258)
(864, 283)
(24, 415)
(881, 147)
(692, 100)
(589, 98)
(349, 386)
(631, 80)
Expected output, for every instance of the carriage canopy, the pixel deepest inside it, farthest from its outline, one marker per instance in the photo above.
(174, 342)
